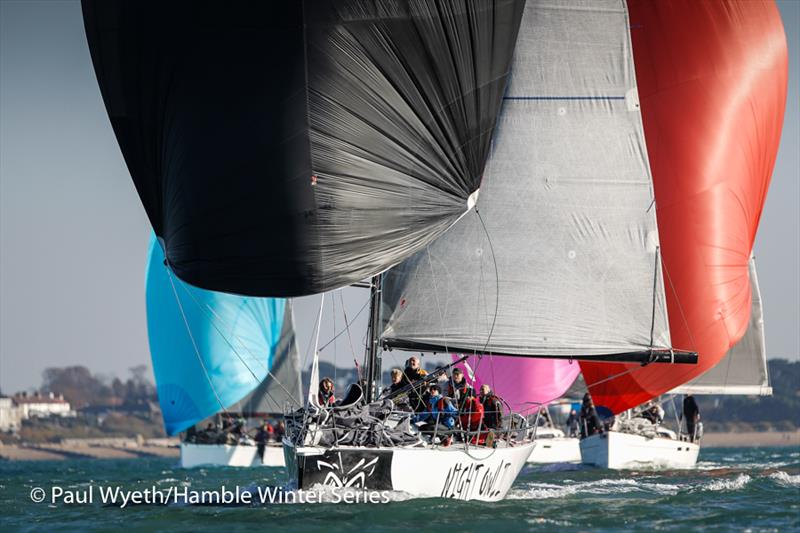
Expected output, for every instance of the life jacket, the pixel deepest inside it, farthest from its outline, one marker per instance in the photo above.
(471, 414)
(492, 411)
(442, 409)
(326, 398)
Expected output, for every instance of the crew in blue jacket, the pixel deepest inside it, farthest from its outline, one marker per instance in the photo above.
(440, 416)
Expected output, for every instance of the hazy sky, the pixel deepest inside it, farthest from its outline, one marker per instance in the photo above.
(73, 235)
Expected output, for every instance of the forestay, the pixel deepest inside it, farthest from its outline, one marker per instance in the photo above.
(567, 202)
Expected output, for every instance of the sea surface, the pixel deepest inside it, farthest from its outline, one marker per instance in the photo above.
(730, 490)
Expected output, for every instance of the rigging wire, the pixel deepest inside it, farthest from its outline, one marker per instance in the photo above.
(496, 301)
(206, 309)
(347, 327)
(436, 295)
(680, 307)
(194, 343)
(496, 278)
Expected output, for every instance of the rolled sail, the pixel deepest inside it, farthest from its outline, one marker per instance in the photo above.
(290, 147)
(712, 83)
(568, 263)
(743, 370)
(212, 349)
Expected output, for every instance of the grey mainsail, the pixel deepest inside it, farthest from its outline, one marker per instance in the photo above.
(568, 207)
(283, 386)
(743, 370)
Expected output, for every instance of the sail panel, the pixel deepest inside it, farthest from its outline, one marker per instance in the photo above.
(568, 262)
(290, 147)
(743, 370)
(210, 349)
(524, 384)
(283, 386)
(712, 84)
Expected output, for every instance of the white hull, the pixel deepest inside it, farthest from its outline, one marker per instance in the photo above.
(451, 472)
(193, 455)
(619, 451)
(556, 450)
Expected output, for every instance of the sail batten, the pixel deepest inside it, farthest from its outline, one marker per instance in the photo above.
(562, 259)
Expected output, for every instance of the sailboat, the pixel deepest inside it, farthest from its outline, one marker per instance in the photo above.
(634, 442)
(529, 386)
(514, 276)
(704, 96)
(287, 149)
(295, 148)
(219, 355)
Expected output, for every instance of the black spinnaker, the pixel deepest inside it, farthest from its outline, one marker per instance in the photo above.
(290, 147)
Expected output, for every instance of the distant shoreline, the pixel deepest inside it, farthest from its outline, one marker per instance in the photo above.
(168, 448)
(91, 448)
(751, 439)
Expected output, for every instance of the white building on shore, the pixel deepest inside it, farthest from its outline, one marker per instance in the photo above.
(10, 415)
(37, 405)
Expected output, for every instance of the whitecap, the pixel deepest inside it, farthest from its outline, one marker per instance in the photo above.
(599, 487)
(542, 491)
(782, 478)
(736, 483)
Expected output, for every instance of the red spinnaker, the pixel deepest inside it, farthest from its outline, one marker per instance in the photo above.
(712, 81)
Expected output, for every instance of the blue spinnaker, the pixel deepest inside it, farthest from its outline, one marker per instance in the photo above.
(209, 349)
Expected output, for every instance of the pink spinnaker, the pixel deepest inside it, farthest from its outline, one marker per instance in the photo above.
(523, 383)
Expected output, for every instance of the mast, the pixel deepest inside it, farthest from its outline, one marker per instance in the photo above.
(373, 366)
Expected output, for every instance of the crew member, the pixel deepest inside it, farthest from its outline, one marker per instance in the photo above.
(492, 408)
(590, 422)
(572, 423)
(544, 417)
(326, 395)
(418, 394)
(692, 415)
(458, 389)
(262, 436)
(440, 416)
(397, 381)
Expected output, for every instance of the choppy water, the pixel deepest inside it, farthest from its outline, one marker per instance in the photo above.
(731, 489)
